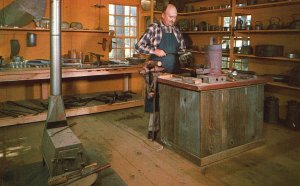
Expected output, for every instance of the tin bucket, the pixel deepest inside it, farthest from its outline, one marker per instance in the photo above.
(31, 39)
(271, 110)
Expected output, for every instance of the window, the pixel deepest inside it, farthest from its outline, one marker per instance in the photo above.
(123, 20)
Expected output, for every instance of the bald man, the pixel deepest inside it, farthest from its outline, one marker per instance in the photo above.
(162, 41)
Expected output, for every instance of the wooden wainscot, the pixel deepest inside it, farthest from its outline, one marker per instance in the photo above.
(210, 122)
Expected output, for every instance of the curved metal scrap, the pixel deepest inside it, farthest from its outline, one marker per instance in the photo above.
(36, 8)
(22, 12)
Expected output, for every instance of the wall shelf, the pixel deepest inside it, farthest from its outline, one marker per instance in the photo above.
(47, 30)
(199, 12)
(268, 58)
(268, 5)
(206, 32)
(267, 31)
(203, 52)
(283, 85)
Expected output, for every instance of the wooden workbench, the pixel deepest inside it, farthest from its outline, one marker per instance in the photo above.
(210, 122)
(36, 74)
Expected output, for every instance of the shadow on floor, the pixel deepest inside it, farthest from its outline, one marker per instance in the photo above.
(36, 174)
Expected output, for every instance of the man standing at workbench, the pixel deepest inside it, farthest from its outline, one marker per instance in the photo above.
(162, 41)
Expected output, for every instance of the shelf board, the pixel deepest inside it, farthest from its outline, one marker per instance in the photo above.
(47, 30)
(197, 52)
(282, 85)
(206, 32)
(268, 58)
(200, 12)
(145, 14)
(266, 5)
(268, 31)
(202, 52)
(75, 111)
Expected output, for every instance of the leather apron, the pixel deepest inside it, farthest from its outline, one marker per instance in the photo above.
(170, 63)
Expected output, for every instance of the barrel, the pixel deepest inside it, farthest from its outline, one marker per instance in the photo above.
(214, 59)
(271, 110)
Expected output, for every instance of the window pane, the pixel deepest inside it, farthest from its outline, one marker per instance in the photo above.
(111, 28)
(131, 52)
(126, 31)
(120, 53)
(126, 21)
(133, 21)
(111, 20)
(112, 53)
(133, 11)
(119, 10)
(111, 9)
(127, 53)
(114, 42)
(119, 21)
(127, 42)
(133, 42)
(132, 31)
(126, 10)
(119, 43)
(119, 31)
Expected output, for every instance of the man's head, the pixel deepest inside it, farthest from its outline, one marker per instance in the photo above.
(169, 15)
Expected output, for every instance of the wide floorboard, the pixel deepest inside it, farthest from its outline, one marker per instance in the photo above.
(119, 137)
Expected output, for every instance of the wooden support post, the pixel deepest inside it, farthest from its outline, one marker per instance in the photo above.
(45, 90)
(126, 82)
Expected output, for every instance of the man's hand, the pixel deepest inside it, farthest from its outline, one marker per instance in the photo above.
(160, 53)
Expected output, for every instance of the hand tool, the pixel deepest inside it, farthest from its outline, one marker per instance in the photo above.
(77, 175)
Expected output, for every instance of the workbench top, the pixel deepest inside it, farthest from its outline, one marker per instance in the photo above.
(13, 74)
(196, 85)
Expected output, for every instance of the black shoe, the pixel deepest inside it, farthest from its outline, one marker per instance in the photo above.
(152, 135)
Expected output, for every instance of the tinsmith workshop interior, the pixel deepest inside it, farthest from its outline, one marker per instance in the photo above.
(149, 92)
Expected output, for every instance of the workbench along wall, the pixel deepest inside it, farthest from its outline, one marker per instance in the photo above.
(95, 24)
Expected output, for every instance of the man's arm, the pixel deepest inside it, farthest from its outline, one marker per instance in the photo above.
(182, 46)
(145, 45)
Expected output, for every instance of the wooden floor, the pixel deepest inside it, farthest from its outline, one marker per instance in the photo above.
(120, 138)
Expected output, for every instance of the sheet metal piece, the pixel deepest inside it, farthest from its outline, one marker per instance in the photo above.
(21, 12)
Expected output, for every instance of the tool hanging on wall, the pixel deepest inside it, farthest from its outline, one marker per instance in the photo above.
(109, 41)
(99, 6)
(104, 41)
(14, 48)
